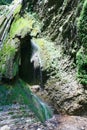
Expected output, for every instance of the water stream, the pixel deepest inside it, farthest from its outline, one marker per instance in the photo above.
(36, 60)
(42, 110)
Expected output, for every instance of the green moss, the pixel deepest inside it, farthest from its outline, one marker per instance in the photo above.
(18, 25)
(48, 56)
(82, 25)
(17, 10)
(7, 52)
(8, 63)
(26, 24)
(82, 66)
(4, 2)
(82, 53)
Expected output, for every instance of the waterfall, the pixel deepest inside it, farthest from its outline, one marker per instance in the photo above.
(42, 110)
(36, 60)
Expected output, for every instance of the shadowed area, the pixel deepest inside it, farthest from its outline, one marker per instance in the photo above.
(26, 67)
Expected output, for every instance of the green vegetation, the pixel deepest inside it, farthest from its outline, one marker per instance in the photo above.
(24, 25)
(19, 92)
(17, 10)
(3, 2)
(82, 66)
(18, 25)
(82, 53)
(48, 56)
(6, 55)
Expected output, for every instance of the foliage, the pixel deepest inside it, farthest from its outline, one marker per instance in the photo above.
(17, 10)
(3, 2)
(8, 67)
(82, 53)
(7, 52)
(82, 66)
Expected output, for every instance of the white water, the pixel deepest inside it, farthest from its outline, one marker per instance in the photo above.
(36, 60)
(43, 108)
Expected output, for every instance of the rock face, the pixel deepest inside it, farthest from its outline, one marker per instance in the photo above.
(61, 25)
(59, 18)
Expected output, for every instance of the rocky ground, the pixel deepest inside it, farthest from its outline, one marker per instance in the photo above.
(16, 117)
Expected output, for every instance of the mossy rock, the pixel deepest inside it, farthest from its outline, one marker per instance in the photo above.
(9, 59)
(82, 66)
(26, 25)
(48, 56)
(82, 53)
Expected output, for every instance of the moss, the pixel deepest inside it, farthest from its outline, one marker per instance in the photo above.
(5, 54)
(8, 67)
(48, 56)
(17, 10)
(26, 23)
(21, 23)
(82, 25)
(82, 66)
(82, 53)
(5, 2)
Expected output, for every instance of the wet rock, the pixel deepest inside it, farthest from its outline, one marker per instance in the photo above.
(6, 127)
(35, 88)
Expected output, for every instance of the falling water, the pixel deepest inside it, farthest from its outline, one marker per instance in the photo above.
(42, 110)
(36, 60)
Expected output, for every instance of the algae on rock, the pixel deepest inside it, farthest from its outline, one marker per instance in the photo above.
(9, 59)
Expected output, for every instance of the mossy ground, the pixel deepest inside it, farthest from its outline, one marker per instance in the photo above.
(13, 93)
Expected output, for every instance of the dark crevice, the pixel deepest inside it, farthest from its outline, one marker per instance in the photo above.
(26, 67)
